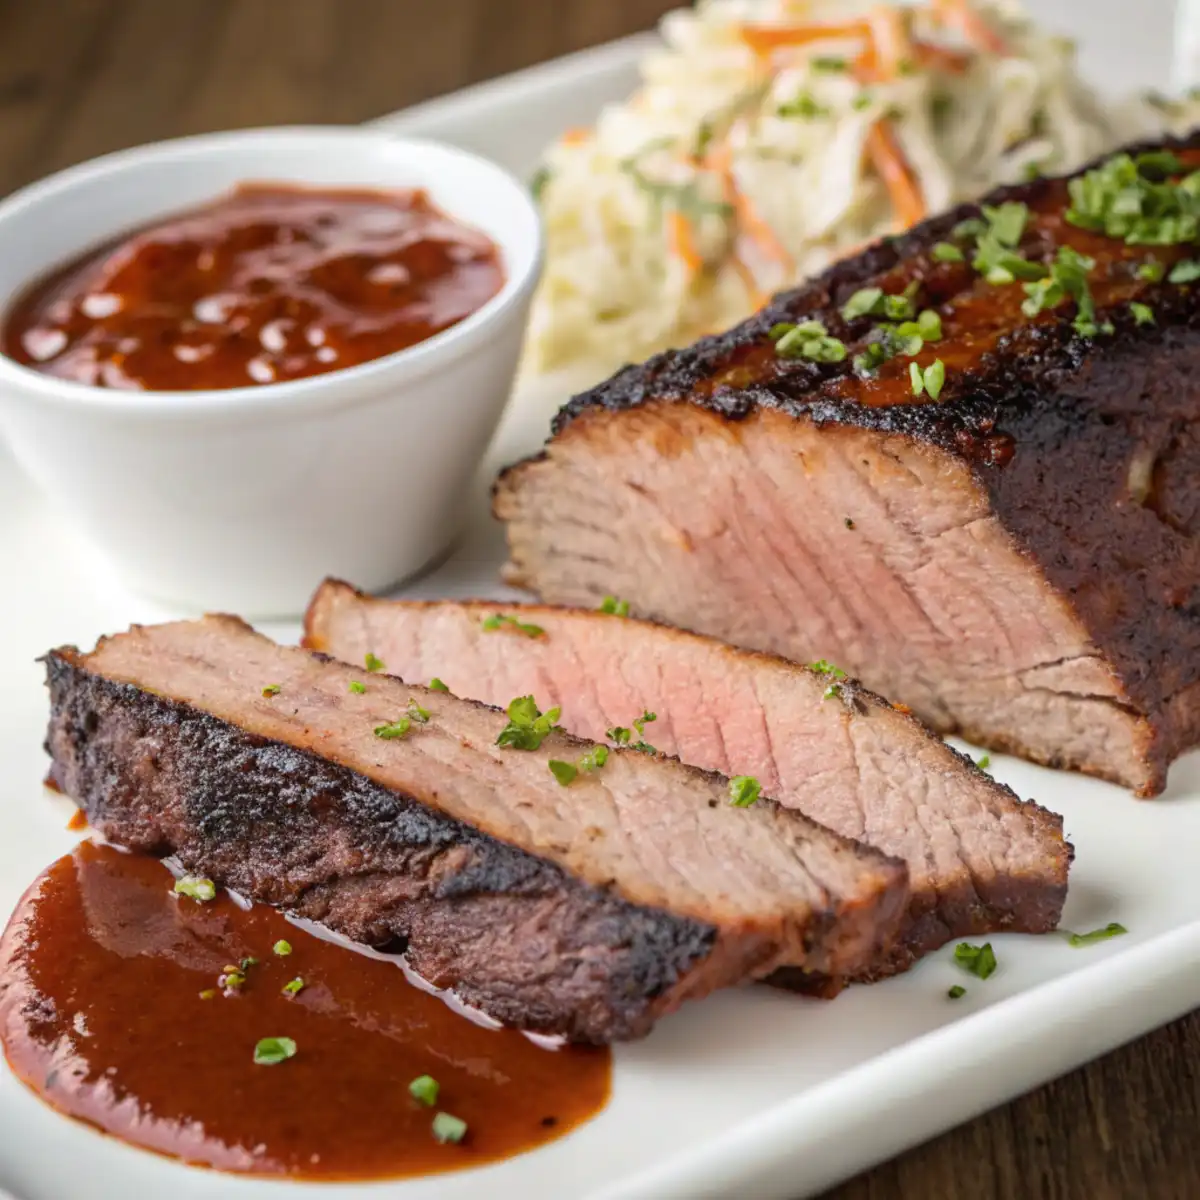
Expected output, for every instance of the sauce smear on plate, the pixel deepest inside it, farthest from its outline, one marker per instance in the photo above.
(265, 285)
(143, 1011)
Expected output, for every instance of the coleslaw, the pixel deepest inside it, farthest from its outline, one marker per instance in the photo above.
(769, 137)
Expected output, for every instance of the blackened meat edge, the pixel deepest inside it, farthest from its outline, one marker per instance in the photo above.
(1085, 449)
(267, 820)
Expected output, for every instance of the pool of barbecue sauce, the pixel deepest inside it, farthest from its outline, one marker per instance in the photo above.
(110, 1010)
(266, 284)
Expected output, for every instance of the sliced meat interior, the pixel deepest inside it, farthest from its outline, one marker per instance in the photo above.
(587, 910)
(979, 859)
(984, 511)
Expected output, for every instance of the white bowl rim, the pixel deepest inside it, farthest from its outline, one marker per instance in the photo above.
(522, 265)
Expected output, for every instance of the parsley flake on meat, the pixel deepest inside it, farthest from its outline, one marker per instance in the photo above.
(527, 725)
(744, 791)
(499, 621)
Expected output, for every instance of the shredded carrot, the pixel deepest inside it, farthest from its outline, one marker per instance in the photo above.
(681, 240)
(941, 58)
(576, 136)
(749, 218)
(960, 15)
(764, 40)
(888, 160)
(889, 40)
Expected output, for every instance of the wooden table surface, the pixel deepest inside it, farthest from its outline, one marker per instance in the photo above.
(79, 77)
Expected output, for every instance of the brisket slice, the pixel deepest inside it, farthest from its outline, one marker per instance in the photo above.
(1018, 562)
(587, 910)
(979, 859)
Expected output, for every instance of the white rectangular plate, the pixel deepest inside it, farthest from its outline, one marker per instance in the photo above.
(754, 1093)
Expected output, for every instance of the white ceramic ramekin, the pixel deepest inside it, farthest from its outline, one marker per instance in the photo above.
(244, 499)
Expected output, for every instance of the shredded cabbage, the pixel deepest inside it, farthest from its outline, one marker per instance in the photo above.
(735, 170)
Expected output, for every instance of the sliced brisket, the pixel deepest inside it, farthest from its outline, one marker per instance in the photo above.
(1017, 561)
(587, 910)
(979, 859)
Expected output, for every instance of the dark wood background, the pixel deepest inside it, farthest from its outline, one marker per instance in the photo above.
(80, 77)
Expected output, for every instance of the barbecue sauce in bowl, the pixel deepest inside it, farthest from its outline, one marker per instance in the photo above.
(265, 285)
(139, 1011)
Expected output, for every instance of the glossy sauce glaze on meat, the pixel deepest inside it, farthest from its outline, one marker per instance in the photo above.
(1010, 550)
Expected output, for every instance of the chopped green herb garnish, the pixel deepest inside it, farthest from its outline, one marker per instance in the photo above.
(282, 948)
(744, 790)
(594, 759)
(833, 690)
(417, 713)
(501, 621)
(947, 252)
(248, 962)
(1152, 271)
(1185, 271)
(957, 991)
(804, 105)
(231, 978)
(929, 325)
(564, 772)
(935, 379)
(272, 1050)
(527, 725)
(208, 994)
(874, 302)
(997, 237)
(424, 1089)
(917, 379)
(1033, 170)
(864, 303)
(357, 688)
(394, 729)
(292, 986)
(449, 1129)
(1067, 277)
(862, 101)
(1006, 222)
(984, 762)
(1041, 295)
(979, 960)
(436, 685)
(272, 689)
(809, 340)
(827, 668)
(1135, 201)
(972, 227)
(1143, 314)
(198, 888)
(828, 64)
(373, 663)
(1110, 930)
(614, 607)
